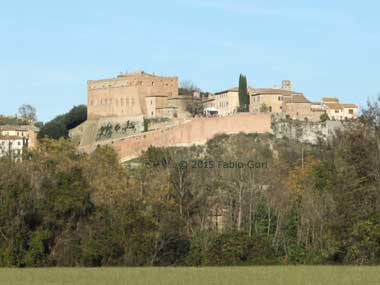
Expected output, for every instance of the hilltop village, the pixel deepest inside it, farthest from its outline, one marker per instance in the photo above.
(135, 110)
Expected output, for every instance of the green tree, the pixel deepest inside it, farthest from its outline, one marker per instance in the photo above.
(59, 127)
(324, 117)
(243, 94)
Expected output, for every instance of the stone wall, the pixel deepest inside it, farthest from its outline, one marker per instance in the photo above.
(303, 131)
(93, 131)
(194, 131)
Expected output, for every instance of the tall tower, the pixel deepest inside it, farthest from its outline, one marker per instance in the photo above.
(286, 85)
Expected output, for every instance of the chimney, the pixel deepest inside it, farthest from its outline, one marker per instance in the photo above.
(286, 85)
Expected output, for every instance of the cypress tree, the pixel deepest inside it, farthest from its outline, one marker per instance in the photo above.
(243, 93)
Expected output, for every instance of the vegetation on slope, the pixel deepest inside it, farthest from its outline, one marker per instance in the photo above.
(305, 205)
(59, 127)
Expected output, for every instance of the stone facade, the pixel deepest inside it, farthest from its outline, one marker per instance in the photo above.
(225, 102)
(129, 94)
(283, 101)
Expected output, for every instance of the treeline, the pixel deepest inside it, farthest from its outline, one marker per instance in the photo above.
(302, 204)
(59, 126)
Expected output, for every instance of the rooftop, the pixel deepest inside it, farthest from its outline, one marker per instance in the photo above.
(13, 138)
(233, 89)
(18, 128)
(271, 91)
(296, 98)
(334, 106)
(330, 99)
(349, 106)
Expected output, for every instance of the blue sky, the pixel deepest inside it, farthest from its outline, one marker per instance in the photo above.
(48, 49)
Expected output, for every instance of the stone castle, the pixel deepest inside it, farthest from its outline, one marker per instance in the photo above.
(136, 110)
(131, 94)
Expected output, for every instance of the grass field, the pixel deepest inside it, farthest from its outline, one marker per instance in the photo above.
(293, 275)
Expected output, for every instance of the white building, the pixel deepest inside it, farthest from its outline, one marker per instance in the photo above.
(337, 111)
(15, 139)
(12, 147)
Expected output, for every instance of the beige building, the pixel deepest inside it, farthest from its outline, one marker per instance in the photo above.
(225, 102)
(283, 101)
(271, 100)
(295, 105)
(130, 94)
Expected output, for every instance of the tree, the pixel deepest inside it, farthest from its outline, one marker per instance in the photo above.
(54, 129)
(324, 117)
(188, 88)
(243, 94)
(76, 116)
(59, 127)
(28, 112)
(194, 107)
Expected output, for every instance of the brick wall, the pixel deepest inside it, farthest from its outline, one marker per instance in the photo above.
(195, 131)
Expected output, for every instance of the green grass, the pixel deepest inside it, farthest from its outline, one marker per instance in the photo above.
(293, 275)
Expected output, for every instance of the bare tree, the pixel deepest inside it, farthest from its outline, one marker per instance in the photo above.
(188, 88)
(28, 112)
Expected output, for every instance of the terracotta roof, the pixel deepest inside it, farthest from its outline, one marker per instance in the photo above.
(183, 97)
(11, 138)
(234, 89)
(334, 106)
(330, 99)
(349, 106)
(18, 128)
(297, 98)
(270, 91)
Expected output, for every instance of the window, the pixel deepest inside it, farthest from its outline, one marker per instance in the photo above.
(279, 98)
(151, 102)
(351, 111)
(336, 111)
(270, 109)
